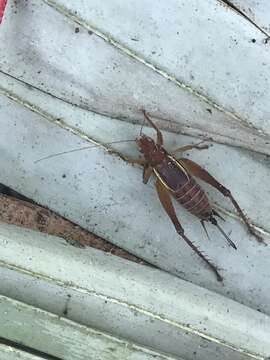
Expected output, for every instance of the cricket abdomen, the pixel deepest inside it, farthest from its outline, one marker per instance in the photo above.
(192, 197)
(184, 188)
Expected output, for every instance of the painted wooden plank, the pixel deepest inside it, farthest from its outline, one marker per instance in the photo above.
(149, 305)
(63, 338)
(113, 83)
(105, 195)
(11, 353)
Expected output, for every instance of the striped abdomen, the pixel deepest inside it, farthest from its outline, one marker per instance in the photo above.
(184, 188)
(193, 198)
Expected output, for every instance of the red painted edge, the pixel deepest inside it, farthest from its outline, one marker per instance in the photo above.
(3, 4)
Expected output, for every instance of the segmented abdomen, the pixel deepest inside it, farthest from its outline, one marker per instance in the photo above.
(185, 189)
(193, 198)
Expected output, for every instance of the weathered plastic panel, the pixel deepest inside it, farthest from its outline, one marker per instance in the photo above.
(64, 339)
(144, 305)
(206, 45)
(10, 353)
(106, 195)
(198, 84)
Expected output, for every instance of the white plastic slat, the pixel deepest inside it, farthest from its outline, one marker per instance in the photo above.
(105, 195)
(11, 353)
(202, 44)
(62, 338)
(152, 308)
(89, 72)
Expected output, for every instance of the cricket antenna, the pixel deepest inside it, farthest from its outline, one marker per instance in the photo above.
(230, 242)
(80, 149)
(143, 122)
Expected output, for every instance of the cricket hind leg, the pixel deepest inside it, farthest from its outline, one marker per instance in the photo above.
(204, 175)
(167, 204)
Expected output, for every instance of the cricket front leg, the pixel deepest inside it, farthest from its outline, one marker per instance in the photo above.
(204, 175)
(147, 169)
(135, 161)
(159, 135)
(147, 172)
(165, 199)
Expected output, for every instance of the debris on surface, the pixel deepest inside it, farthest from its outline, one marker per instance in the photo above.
(29, 215)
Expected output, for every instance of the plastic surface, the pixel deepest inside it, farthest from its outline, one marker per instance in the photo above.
(62, 338)
(104, 194)
(140, 304)
(54, 85)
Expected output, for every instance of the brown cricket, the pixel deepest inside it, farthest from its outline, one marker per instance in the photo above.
(175, 178)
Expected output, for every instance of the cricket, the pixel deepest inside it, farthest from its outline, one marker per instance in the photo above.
(175, 177)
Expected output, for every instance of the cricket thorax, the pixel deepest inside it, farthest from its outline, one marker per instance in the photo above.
(171, 173)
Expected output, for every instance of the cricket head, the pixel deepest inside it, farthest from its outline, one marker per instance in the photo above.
(152, 152)
(146, 146)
